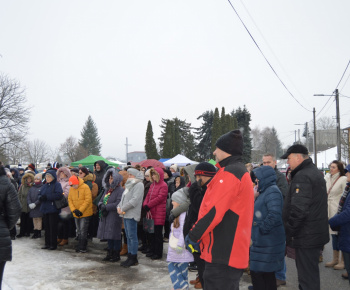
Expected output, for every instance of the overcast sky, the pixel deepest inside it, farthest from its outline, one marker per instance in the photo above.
(127, 62)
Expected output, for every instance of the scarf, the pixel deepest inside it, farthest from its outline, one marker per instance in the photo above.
(343, 197)
(105, 199)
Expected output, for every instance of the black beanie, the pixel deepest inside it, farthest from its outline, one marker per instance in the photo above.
(205, 169)
(231, 143)
(168, 171)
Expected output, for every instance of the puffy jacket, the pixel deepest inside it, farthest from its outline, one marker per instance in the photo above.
(65, 186)
(156, 198)
(80, 199)
(341, 221)
(225, 217)
(305, 209)
(23, 191)
(268, 236)
(10, 209)
(33, 197)
(53, 191)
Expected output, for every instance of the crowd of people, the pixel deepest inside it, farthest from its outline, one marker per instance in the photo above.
(224, 219)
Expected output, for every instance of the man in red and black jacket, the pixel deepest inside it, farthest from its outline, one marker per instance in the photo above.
(225, 217)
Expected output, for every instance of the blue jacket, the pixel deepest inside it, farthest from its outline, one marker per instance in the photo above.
(268, 236)
(53, 191)
(342, 220)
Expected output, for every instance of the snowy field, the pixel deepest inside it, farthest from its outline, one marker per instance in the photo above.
(34, 268)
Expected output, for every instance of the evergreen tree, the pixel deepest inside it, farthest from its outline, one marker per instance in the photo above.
(168, 140)
(90, 140)
(150, 145)
(203, 135)
(216, 130)
(223, 121)
(243, 120)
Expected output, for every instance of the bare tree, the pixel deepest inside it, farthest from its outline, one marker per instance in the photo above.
(14, 115)
(16, 151)
(325, 123)
(72, 149)
(37, 151)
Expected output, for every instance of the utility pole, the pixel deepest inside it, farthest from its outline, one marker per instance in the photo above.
(315, 147)
(127, 145)
(338, 125)
(307, 135)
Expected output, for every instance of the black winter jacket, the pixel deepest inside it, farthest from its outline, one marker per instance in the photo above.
(10, 210)
(305, 213)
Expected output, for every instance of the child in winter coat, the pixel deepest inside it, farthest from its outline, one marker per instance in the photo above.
(34, 205)
(178, 257)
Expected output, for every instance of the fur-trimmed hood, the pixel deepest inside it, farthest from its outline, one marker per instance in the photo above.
(160, 173)
(89, 177)
(117, 179)
(24, 177)
(66, 171)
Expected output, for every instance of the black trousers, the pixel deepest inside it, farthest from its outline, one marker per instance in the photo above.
(93, 226)
(63, 228)
(219, 276)
(2, 267)
(200, 265)
(306, 261)
(156, 240)
(26, 224)
(263, 280)
(51, 225)
(166, 229)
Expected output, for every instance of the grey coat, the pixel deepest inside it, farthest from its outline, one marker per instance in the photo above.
(10, 210)
(32, 197)
(110, 226)
(132, 198)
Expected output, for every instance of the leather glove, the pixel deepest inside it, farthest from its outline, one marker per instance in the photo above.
(171, 218)
(78, 213)
(102, 207)
(179, 250)
(32, 205)
(191, 246)
(43, 198)
(146, 208)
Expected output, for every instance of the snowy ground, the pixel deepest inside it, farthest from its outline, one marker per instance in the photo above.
(34, 268)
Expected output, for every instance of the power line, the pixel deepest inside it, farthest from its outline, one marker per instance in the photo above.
(251, 36)
(343, 74)
(324, 106)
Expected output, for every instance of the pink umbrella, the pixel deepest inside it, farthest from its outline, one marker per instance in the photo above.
(151, 162)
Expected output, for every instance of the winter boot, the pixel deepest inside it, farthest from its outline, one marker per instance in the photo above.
(108, 256)
(124, 250)
(83, 245)
(39, 234)
(126, 261)
(132, 261)
(115, 256)
(63, 242)
(340, 265)
(35, 236)
(58, 241)
(335, 259)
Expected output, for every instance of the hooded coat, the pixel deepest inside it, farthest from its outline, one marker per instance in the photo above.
(10, 208)
(110, 227)
(268, 236)
(53, 191)
(23, 191)
(132, 198)
(100, 174)
(33, 197)
(65, 186)
(156, 198)
(15, 176)
(90, 181)
(80, 199)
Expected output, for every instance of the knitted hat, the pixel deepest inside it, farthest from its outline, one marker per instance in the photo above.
(168, 172)
(205, 169)
(231, 143)
(179, 196)
(32, 166)
(38, 176)
(73, 180)
(133, 171)
(174, 167)
(56, 165)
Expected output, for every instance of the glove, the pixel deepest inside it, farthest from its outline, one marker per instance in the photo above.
(146, 208)
(102, 207)
(171, 218)
(32, 205)
(43, 198)
(179, 250)
(191, 246)
(78, 213)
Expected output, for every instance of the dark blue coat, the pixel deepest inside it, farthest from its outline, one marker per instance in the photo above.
(53, 191)
(342, 220)
(268, 236)
(33, 197)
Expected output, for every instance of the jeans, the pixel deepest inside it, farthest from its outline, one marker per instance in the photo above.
(114, 245)
(281, 274)
(347, 262)
(82, 225)
(178, 274)
(130, 226)
(335, 242)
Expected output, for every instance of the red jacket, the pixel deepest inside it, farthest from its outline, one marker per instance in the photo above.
(225, 216)
(156, 199)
